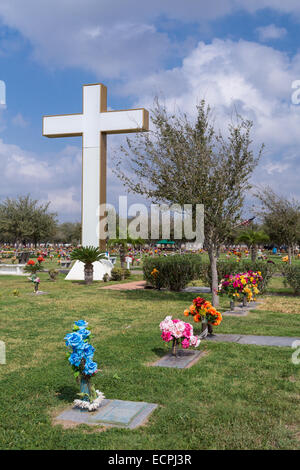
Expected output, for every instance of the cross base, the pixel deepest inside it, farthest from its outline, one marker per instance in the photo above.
(100, 269)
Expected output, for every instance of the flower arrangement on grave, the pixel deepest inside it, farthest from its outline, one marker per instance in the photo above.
(40, 259)
(32, 267)
(80, 355)
(203, 311)
(178, 332)
(155, 278)
(241, 285)
(36, 281)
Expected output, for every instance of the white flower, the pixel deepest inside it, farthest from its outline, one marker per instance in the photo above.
(195, 341)
(90, 406)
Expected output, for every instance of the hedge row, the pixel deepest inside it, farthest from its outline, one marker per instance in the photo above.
(175, 272)
(172, 272)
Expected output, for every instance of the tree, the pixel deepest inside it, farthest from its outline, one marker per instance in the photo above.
(252, 238)
(281, 218)
(188, 162)
(68, 232)
(24, 220)
(87, 255)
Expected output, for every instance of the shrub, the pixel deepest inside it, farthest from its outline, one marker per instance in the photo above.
(292, 277)
(53, 274)
(118, 274)
(127, 273)
(224, 267)
(173, 272)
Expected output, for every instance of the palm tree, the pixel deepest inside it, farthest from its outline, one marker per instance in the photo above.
(87, 255)
(252, 238)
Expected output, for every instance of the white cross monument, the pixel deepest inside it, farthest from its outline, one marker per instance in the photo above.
(93, 124)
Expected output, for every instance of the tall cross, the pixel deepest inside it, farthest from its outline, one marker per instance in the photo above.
(93, 124)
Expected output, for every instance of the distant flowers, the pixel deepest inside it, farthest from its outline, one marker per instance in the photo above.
(202, 310)
(178, 330)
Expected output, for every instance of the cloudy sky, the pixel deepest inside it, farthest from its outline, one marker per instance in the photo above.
(234, 53)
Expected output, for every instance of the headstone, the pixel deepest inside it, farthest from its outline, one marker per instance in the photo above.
(258, 340)
(183, 360)
(116, 413)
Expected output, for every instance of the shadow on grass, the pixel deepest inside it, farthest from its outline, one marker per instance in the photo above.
(67, 393)
(159, 352)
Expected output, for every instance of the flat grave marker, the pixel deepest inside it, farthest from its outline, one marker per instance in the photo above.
(183, 360)
(116, 413)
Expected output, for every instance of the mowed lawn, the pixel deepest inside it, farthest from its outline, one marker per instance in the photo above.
(235, 397)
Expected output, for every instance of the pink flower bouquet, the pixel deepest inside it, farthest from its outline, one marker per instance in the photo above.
(178, 331)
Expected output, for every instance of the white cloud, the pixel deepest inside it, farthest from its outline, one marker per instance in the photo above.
(253, 78)
(50, 178)
(270, 32)
(65, 201)
(117, 39)
(54, 178)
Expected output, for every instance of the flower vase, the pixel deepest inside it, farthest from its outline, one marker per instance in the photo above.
(232, 305)
(244, 304)
(36, 287)
(204, 332)
(175, 347)
(84, 388)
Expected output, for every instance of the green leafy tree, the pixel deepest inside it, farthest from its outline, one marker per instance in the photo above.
(24, 220)
(87, 255)
(253, 238)
(281, 218)
(68, 232)
(184, 161)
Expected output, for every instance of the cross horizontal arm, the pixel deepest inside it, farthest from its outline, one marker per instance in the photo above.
(119, 122)
(68, 125)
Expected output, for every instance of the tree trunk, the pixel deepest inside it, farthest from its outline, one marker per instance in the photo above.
(88, 273)
(122, 252)
(214, 276)
(290, 254)
(253, 253)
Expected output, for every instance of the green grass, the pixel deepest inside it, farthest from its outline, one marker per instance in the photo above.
(235, 397)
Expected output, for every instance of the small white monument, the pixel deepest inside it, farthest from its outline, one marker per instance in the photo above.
(12, 269)
(93, 124)
(100, 268)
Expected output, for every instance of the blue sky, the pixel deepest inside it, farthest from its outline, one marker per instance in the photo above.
(231, 52)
